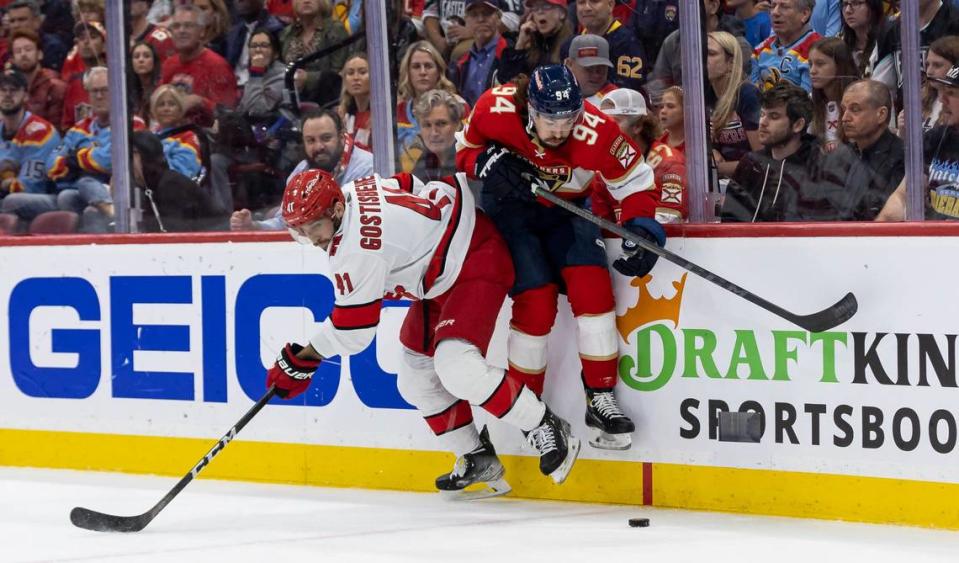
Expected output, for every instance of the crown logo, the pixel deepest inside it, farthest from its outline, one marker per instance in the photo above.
(649, 308)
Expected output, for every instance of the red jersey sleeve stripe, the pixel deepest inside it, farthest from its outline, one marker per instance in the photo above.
(353, 317)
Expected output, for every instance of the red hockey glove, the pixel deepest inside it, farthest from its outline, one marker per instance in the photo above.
(291, 375)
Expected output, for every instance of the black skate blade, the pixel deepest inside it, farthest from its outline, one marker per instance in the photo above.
(479, 491)
(740, 427)
(572, 452)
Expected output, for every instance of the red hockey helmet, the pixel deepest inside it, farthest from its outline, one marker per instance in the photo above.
(310, 196)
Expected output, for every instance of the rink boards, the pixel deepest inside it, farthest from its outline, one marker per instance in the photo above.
(136, 355)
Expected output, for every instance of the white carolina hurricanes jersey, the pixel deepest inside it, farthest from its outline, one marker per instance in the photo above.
(399, 238)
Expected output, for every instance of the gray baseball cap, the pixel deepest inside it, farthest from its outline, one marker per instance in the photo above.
(590, 50)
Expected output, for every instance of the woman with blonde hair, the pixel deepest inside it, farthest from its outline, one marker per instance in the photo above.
(421, 70)
(734, 102)
(354, 106)
(181, 146)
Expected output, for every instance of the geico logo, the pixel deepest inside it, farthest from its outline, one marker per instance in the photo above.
(78, 343)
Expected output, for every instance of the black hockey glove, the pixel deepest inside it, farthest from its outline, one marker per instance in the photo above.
(505, 174)
(635, 260)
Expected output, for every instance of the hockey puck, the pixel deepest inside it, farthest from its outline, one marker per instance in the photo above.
(639, 522)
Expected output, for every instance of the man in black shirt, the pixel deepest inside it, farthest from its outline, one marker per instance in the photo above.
(792, 178)
(866, 106)
(941, 156)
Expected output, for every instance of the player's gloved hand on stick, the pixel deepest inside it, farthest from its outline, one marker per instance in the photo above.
(504, 173)
(291, 375)
(635, 260)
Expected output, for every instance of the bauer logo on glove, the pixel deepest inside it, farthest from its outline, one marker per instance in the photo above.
(291, 375)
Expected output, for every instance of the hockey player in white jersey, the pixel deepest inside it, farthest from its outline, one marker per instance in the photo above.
(398, 237)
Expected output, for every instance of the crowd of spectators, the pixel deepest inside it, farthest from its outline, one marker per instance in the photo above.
(804, 100)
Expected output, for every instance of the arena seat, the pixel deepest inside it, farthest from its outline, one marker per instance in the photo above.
(54, 223)
(8, 224)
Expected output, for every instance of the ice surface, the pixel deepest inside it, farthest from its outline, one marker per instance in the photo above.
(218, 521)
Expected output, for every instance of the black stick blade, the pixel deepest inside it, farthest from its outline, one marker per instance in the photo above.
(100, 522)
(829, 318)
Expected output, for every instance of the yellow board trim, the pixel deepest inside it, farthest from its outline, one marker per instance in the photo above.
(752, 491)
(328, 466)
(807, 495)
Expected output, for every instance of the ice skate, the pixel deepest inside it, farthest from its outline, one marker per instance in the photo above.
(557, 446)
(610, 429)
(480, 471)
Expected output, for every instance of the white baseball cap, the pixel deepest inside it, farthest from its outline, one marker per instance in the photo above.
(623, 101)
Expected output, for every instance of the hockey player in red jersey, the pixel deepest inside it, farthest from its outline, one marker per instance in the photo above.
(399, 237)
(543, 129)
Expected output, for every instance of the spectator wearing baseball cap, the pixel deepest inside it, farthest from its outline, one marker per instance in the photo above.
(28, 141)
(941, 155)
(478, 68)
(589, 61)
(630, 111)
(544, 30)
(89, 51)
(626, 51)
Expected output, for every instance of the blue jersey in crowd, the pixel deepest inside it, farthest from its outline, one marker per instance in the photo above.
(773, 62)
(34, 141)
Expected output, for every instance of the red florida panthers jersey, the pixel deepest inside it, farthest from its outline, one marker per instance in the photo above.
(595, 145)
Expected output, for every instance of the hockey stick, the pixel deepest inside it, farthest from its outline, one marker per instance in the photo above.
(826, 319)
(100, 522)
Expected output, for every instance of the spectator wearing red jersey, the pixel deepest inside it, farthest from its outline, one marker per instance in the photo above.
(354, 106)
(205, 77)
(143, 30)
(45, 91)
(628, 108)
(89, 51)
